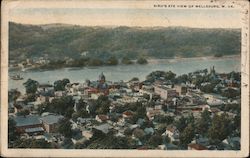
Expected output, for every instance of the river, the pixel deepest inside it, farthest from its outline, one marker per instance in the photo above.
(126, 72)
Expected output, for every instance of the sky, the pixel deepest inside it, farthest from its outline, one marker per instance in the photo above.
(103, 14)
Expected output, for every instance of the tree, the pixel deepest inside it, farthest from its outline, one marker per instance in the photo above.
(31, 86)
(32, 143)
(208, 88)
(146, 96)
(187, 135)
(197, 80)
(134, 79)
(126, 61)
(155, 140)
(13, 95)
(161, 128)
(69, 112)
(67, 143)
(220, 128)
(181, 124)
(138, 133)
(142, 60)
(23, 112)
(156, 97)
(95, 62)
(218, 55)
(141, 111)
(59, 85)
(65, 81)
(110, 142)
(204, 123)
(128, 132)
(83, 113)
(30, 97)
(12, 133)
(163, 119)
(182, 78)
(102, 104)
(65, 128)
(169, 75)
(230, 93)
(60, 105)
(112, 61)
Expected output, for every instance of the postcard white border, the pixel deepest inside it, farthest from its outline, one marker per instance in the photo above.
(5, 152)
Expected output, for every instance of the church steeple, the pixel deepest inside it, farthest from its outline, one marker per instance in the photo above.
(102, 78)
(212, 70)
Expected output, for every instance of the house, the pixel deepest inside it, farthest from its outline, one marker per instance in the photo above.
(101, 118)
(231, 143)
(29, 124)
(78, 137)
(60, 93)
(127, 115)
(49, 137)
(151, 112)
(134, 126)
(90, 90)
(171, 146)
(193, 146)
(105, 128)
(140, 122)
(173, 133)
(149, 131)
(213, 99)
(119, 134)
(84, 120)
(87, 134)
(17, 108)
(44, 98)
(50, 122)
(45, 87)
(201, 140)
(20, 100)
(128, 99)
(230, 114)
(165, 92)
(181, 89)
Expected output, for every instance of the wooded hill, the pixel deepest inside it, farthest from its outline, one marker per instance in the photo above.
(61, 40)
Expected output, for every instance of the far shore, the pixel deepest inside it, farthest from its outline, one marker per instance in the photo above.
(155, 61)
(149, 60)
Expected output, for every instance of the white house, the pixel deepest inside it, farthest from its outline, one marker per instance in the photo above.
(172, 133)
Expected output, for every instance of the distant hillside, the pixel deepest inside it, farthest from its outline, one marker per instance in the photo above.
(60, 40)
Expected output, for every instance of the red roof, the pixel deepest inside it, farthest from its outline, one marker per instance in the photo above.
(128, 113)
(197, 146)
(93, 90)
(103, 117)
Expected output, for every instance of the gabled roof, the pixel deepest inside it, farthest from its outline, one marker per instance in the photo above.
(27, 120)
(103, 117)
(36, 129)
(128, 113)
(51, 118)
(104, 128)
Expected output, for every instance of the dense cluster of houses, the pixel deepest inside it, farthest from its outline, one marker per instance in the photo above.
(169, 99)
